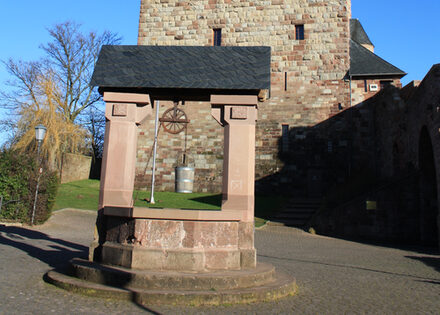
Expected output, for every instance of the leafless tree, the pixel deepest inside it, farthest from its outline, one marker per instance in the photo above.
(72, 57)
(59, 84)
(95, 125)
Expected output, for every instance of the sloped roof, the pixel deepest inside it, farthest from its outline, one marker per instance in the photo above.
(365, 63)
(358, 34)
(193, 67)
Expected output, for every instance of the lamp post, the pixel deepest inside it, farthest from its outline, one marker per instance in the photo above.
(40, 132)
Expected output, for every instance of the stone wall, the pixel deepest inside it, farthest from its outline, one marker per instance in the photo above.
(75, 167)
(395, 141)
(204, 147)
(178, 245)
(360, 88)
(393, 219)
(309, 81)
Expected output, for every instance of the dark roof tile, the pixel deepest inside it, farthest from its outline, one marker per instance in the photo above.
(358, 34)
(365, 63)
(199, 67)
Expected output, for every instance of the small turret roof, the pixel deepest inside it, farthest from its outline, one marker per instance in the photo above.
(358, 34)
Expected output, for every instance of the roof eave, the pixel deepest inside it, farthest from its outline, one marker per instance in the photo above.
(399, 75)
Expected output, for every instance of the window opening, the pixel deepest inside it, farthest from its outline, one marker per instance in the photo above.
(330, 146)
(384, 84)
(299, 32)
(217, 37)
(284, 138)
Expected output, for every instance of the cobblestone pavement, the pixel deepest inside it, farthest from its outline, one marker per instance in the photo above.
(334, 276)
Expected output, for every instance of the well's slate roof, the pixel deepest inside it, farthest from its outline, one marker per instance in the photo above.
(365, 63)
(358, 34)
(193, 67)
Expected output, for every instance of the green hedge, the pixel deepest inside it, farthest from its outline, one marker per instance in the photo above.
(18, 179)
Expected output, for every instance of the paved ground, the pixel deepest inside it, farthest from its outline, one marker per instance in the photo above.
(334, 276)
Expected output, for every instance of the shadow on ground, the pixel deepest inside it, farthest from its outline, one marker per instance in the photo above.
(55, 252)
(418, 278)
(411, 247)
(433, 262)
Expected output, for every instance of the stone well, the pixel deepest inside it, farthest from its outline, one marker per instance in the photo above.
(136, 248)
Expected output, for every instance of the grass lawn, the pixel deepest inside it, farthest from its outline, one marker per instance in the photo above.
(198, 201)
(84, 194)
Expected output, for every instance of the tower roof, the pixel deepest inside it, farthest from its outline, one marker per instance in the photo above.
(358, 34)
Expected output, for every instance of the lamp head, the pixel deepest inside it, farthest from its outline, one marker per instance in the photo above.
(40, 132)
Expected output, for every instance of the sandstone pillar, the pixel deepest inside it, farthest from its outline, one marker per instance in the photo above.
(123, 112)
(238, 115)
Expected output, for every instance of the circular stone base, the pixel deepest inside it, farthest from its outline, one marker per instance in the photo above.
(176, 288)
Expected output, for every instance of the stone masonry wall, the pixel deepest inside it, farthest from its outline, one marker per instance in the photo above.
(361, 88)
(387, 133)
(75, 167)
(308, 76)
(204, 143)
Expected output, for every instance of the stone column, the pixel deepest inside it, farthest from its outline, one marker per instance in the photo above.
(123, 112)
(238, 115)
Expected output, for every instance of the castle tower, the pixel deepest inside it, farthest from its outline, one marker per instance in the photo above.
(310, 62)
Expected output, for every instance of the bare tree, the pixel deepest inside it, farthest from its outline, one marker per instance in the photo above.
(72, 56)
(95, 125)
(57, 84)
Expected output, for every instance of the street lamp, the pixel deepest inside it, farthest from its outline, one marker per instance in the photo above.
(40, 132)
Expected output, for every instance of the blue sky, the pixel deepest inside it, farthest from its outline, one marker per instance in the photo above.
(24, 23)
(405, 33)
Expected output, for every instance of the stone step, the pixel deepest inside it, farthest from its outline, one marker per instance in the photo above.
(297, 212)
(286, 222)
(305, 201)
(295, 215)
(301, 207)
(274, 223)
(171, 280)
(295, 223)
(280, 286)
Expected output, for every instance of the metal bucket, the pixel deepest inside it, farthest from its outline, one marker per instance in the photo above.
(184, 179)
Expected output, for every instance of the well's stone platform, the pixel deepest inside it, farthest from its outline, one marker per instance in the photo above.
(172, 287)
(177, 244)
